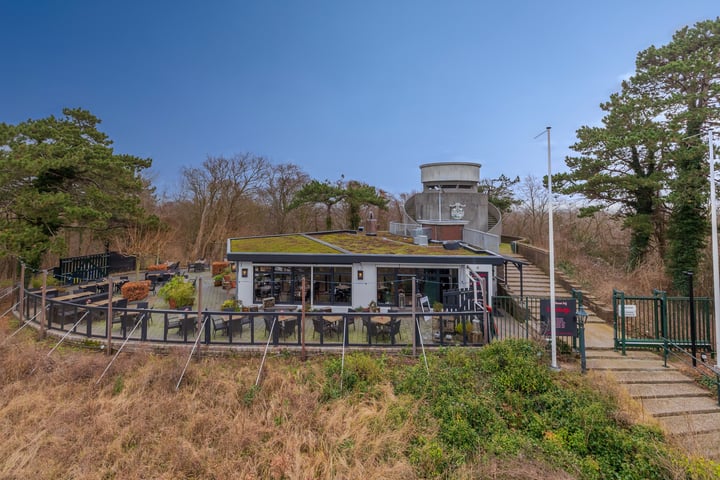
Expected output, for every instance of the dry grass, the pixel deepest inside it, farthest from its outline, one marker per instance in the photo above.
(593, 252)
(57, 423)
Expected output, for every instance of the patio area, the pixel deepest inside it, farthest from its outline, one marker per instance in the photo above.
(84, 311)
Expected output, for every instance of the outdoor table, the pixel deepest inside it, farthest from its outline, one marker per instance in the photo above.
(73, 296)
(103, 302)
(334, 319)
(283, 321)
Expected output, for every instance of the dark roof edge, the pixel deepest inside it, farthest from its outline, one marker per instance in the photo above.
(331, 258)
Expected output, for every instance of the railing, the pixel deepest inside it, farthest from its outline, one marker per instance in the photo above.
(521, 317)
(496, 228)
(646, 321)
(483, 240)
(408, 229)
(708, 374)
(282, 327)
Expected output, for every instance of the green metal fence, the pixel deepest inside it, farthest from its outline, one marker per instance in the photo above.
(646, 321)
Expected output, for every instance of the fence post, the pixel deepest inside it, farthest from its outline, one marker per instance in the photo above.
(693, 327)
(143, 325)
(21, 298)
(206, 322)
(43, 312)
(526, 314)
(109, 317)
(622, 322)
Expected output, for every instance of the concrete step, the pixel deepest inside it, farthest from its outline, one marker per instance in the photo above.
(666, 390)
(635, 354)
(691, 424)
(705, 444)
(664, 376)
(625, 364)
(665, 407)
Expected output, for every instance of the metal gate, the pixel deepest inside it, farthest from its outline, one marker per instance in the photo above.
(653, 321)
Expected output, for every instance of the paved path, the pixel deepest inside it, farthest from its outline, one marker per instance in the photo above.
(686, 411)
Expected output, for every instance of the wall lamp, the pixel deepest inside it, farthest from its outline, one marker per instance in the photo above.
(244, 272)
(360, 275)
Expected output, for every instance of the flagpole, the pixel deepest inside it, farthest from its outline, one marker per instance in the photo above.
(551, 240)
(713, 236)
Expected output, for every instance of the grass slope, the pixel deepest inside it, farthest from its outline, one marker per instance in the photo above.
(496, 413)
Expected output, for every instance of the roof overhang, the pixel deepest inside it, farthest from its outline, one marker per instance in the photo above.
(351, 258)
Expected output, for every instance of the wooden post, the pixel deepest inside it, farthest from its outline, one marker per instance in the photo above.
(42, 304)
(303, 354)
(108, 318)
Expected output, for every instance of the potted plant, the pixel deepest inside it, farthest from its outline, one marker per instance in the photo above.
(231, 305)
(178, 293)
(218, 279)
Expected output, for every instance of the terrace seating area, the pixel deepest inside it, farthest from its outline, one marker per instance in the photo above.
(152, 320)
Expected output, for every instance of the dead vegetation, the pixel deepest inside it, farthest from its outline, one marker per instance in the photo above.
(57, 423)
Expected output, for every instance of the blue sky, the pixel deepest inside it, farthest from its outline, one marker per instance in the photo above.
(365, 89)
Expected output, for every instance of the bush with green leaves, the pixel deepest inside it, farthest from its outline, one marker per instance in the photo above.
(503, 400)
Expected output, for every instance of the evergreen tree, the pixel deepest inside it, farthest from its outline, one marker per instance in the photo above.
(682, 78)
(62, 174)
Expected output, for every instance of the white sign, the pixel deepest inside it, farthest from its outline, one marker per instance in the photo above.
(631, 310)
(457, 211)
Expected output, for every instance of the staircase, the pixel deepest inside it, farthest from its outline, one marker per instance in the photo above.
(687, 412)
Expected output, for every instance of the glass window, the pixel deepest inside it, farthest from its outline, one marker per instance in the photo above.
(342, 285)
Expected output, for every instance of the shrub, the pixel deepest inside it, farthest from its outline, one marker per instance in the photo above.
(158, 267)
(134, 291)
(218, 267)
(36, 281)
(231, 304)
(178, 293)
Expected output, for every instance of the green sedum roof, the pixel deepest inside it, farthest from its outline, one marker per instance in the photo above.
(279, 244)
(344, 242)
(384, 243)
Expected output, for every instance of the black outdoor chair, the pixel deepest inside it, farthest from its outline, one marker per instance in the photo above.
(320, 325)
(219, 324)
(394, 330)
(121, 281)
(131, 318)
(235, 326)
(120, 317)
(373, 329)
(268, 323)
(394, 327)
(188, 326)
(288, 327)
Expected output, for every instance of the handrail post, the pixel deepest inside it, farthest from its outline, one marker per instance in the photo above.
(622, 322)
(693, 327)
(143, 325)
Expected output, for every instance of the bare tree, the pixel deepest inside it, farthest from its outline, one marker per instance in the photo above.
(284, 181)
(144, 236)
(216, 192)
(530, 217)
